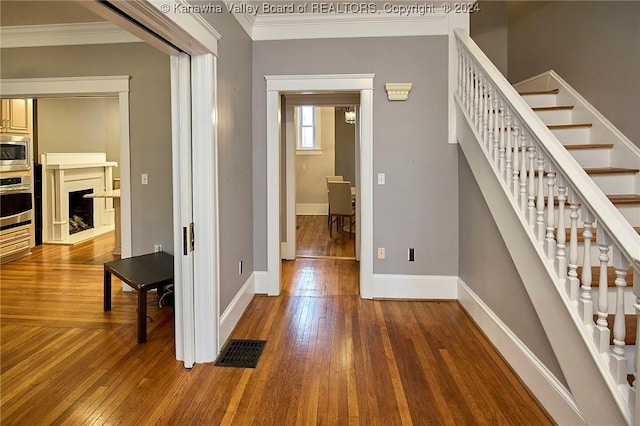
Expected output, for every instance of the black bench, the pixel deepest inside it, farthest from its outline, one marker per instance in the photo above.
(142, 273)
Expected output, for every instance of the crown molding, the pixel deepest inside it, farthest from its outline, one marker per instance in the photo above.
(64, 35)
(348, 25)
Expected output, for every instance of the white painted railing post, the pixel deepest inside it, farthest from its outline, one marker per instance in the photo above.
(515, 181)
(573, 284)
(476, 96)
(586, 304)
(561, 233)
(489, 140)
(508, 149)
(602, 333)
(484, 132)
(540, 226)
(502, 155)
(523, 173)
(531, 205)
(550, 238)
(619, 360)
(496, 129)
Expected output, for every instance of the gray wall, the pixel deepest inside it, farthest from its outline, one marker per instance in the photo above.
(417, 206)
(234, 155)
(150, 120)
(594, 46)
(487, 268)
(488, 28)
(345, 148)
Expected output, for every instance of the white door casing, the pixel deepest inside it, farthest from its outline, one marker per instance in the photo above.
(276, 84)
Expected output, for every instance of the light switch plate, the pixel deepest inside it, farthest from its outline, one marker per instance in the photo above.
(381, 178)
(144, 179)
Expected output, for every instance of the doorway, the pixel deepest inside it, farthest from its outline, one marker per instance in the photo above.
(326, 154)
(278, 86)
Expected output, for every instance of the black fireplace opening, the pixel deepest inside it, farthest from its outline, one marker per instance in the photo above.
(80, 211)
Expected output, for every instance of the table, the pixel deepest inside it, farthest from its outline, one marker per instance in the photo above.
(142, 273)
(115, 195)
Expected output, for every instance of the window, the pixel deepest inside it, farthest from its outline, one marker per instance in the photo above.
(307, 139)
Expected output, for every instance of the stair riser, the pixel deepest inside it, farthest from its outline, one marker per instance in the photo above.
(573, 135)
(616, 184)
(562, 116)
(541, 100)
(592, 158)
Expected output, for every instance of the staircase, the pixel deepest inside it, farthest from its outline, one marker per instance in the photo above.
(562, 184)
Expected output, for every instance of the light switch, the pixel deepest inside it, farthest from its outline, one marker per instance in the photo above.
(304, 166)
(381, 253)
(144, 179)
(380, 178)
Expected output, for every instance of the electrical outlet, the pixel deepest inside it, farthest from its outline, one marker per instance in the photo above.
(381, 253)
(157, 247)
(412, 256)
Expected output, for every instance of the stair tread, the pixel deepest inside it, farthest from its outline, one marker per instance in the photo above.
(610, 170)
(553, 108)
(540, 92)
(611, 276)
(624, 199)
(590, 146)
(569, 126)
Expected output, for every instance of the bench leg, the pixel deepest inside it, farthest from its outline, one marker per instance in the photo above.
(142, 316)
(107, 290)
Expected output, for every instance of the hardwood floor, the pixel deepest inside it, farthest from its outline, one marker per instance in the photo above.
(331, 358)
(312, 239)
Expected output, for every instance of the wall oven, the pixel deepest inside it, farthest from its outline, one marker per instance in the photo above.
(15, 201)
(14, 153)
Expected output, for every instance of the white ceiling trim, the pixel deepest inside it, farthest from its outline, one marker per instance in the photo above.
(64, 35)
(318, 26)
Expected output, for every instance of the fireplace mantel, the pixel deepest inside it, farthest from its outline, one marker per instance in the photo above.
(67, 172)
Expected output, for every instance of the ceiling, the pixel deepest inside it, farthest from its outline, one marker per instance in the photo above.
(32, 12)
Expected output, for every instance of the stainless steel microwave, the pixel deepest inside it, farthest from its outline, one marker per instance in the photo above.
(14, 153)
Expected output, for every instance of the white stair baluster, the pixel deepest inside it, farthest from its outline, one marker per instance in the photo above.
(619, 361)
(515, 181)
(573, 284)
(460, 68)
(476, 96)
(496, 128)
(586, 304)
(549, 237)
(602, 333)
(490, 114)
(531, 205)
(508, 149)
(523, 173)
(484, 134)
(561, 234)
(540, 226)
(502, 142)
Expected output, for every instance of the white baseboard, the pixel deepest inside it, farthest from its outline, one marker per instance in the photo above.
(236, 308)
(312, 209)
(260, 279)
(551, 394)
(439, 287)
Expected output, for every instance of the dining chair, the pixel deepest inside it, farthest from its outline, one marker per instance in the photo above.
(332, 179)
(340, 205)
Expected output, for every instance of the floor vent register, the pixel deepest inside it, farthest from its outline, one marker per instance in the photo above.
(241, 353)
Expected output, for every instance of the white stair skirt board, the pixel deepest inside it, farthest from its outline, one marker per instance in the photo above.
(230, 317)
(429, 287)
(312, 209)
(261, 284)
(553, 396)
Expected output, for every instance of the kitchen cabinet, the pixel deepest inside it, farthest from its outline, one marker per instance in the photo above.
(15, 243)
(16, 116)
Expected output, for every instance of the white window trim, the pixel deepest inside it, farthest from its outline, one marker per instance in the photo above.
(317, 150)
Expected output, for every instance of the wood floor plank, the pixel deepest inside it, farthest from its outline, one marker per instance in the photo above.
(331, 357)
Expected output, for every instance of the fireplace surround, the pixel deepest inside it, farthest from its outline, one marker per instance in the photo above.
(66, 173)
